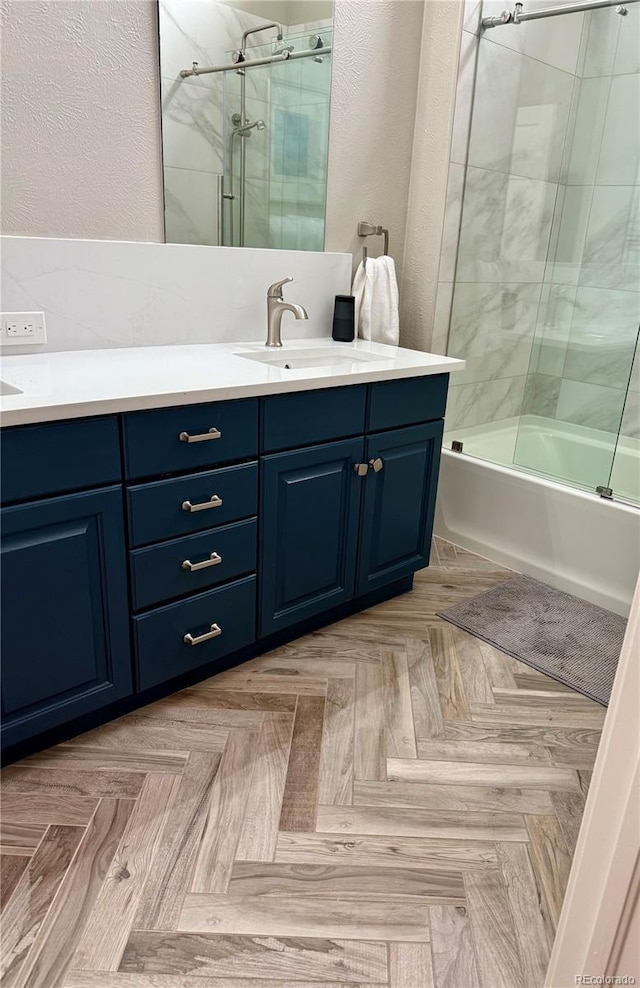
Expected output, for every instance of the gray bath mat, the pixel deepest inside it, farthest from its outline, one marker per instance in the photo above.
(560, 635)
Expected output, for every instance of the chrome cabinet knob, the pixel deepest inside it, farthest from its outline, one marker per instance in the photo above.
(376, 465)
(361, 469)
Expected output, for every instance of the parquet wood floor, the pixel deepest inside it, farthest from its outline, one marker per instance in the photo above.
(388, 801)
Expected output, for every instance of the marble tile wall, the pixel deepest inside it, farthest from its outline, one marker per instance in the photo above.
(539, 283)
(513, 108)
(480, 401)
(101, 294)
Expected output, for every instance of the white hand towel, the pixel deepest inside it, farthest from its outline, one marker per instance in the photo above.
(376, 290)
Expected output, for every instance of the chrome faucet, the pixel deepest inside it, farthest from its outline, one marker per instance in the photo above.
(276, 306)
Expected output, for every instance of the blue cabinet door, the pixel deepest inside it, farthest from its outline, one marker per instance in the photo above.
(310, 506)
(399, 504)
(64, 635)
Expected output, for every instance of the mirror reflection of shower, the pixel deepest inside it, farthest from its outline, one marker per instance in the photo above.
(257, 91)
(240, 129)
(244, 129)
(250, 55)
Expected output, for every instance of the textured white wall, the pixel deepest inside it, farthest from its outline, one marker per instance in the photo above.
(80, 119)
(81, 129)
(81, 133)
(285, 11)
(442, 27)
(373, 100)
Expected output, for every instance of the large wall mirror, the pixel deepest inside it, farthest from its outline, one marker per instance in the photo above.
(245, 121)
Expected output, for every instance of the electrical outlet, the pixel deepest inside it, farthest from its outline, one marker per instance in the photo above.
(23, 329)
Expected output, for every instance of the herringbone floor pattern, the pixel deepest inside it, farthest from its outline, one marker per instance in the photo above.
(386, 802)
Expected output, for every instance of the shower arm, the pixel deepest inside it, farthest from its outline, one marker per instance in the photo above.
(257, 30)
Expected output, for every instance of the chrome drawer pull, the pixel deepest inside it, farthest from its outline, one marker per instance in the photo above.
(213, 560)
(213, 502)
(214, 632)
(213, 433)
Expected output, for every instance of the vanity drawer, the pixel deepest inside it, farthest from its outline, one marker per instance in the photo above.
(310, 417)
(59, 456)
(159, 635)
(159, 573)
(406, 402)
(160, 510)
(169, 440)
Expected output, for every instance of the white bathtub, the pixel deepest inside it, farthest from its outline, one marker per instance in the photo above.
(568, 538)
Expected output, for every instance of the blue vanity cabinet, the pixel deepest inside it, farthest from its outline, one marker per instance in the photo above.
(305, 418)
(310, 505)
(343, 520)
(399, 496)
(60, 456)
(196, 631)
(192, 536)
(191, 502)
(234, 522)
(65, 629)
(189, 437)
(406, 402)
(193, 563)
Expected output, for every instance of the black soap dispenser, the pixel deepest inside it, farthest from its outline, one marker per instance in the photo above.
(344, 319)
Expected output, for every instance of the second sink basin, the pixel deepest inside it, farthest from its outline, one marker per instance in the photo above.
(336, 357)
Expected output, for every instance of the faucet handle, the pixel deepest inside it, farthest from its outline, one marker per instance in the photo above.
(275, 290)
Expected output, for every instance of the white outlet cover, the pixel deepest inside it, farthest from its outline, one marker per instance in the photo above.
(23, 329)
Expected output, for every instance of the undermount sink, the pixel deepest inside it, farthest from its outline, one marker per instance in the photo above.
(324, 357)
(8, 389)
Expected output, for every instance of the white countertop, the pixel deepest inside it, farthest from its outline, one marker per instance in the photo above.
(78, 383)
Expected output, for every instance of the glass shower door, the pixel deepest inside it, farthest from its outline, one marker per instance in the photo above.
(247, 138)
(579, 394)
(579, 391)
(508, 187)
(276, 136)
(300, 100)
(625, 473)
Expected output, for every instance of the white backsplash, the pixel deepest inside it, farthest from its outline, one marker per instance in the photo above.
(98, 294)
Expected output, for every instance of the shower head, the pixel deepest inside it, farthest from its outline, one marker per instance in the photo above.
(244, 129)
(280, 49)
